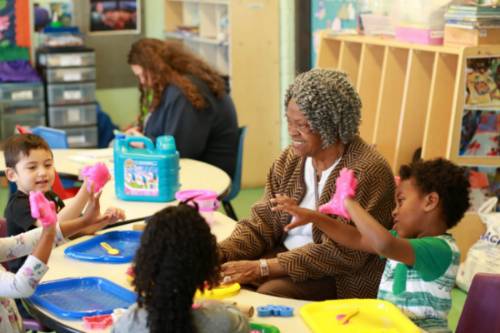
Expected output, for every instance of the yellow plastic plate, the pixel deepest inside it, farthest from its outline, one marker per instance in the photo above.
(366, 315)
(219, 293)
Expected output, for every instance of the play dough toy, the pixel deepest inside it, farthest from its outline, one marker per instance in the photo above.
(111, 250)
(219, 292)
(97, 175)
(345, 188)
(42, 209)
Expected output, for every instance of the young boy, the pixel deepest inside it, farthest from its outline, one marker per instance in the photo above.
(422, 259)
(29, 163)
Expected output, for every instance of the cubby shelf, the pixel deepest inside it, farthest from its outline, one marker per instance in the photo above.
(413, 97)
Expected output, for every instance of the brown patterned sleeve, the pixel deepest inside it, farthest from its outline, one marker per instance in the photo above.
(261, 232)
(375, 193)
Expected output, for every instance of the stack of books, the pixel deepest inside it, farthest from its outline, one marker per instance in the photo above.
(472, 25)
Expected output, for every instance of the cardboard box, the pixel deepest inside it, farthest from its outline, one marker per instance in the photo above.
(471, 37)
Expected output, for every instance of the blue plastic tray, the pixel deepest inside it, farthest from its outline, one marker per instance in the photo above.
(126, 242)
(75, 298)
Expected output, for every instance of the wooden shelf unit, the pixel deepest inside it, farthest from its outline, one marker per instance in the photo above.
(249, 54)
(413, 95)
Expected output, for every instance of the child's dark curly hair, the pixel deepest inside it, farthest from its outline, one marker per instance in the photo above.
(446, 179)
(177, 255)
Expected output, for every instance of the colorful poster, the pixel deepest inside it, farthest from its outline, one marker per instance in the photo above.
(7, 23)
(482, 82)
(480, 133)
(337, 15)
(484, 183)
(114, 16)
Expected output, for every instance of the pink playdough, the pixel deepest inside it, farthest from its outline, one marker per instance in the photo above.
(97, 174)
(346, 185)
(42, 209)
(99, 322)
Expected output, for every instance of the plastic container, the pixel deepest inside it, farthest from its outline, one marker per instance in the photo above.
(14, 92)
(74, 115)
(22, 108)
(146, 174)
(70, 93)
(76, 59)
(75, 298)
(8, 122)
(61, 75)
(263, 328)
(206, 200)
(84, 137)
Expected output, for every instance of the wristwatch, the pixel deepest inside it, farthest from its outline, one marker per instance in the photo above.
(264, 268)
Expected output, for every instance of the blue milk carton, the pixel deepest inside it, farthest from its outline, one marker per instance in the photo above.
(146, 174)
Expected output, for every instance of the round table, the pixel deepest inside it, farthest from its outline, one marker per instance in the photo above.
(193, 174)
(62, 266)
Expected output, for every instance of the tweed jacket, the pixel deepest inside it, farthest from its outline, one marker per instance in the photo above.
(357, 274)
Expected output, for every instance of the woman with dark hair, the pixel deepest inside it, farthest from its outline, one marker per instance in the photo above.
(323, 115)
(177, 255)
(183, 96)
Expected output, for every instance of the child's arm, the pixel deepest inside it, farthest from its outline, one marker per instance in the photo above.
(342, 233)
(91, 218)
(24, 282)
(75, 206)
(379, 238)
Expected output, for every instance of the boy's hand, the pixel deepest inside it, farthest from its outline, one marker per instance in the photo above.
(93, 210)
(301, 216)
(115, 214)
(345, 185)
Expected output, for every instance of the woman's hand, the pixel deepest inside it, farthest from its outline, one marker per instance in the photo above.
(242, 271)
(301, 216)
(133, 131)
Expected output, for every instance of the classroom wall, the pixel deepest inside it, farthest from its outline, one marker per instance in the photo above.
(122, 104)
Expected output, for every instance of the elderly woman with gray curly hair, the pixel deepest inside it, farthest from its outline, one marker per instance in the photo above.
(323, 115)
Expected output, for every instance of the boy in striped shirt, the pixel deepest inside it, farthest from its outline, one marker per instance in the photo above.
(422, 259)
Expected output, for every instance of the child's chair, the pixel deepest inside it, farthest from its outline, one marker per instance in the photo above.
(480, 312)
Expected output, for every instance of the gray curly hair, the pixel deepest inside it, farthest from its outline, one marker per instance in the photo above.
(330, 103)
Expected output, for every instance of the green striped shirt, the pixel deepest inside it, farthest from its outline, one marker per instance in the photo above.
(423, 291)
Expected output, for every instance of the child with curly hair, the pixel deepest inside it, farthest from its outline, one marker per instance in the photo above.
(177, 255)
(422, 259)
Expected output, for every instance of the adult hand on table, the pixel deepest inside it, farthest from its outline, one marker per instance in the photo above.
(241, 271)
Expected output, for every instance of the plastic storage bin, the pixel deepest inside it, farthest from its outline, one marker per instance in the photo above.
(22, 108)
(149, 174)
(9, 122)
(84, 137)
(70, 93)
(73, 59)
(73, 74)
(74, 115)
(14, 92)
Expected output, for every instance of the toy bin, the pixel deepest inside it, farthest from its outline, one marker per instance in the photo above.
(14, 92)
(146, 174)
(74, 115)
(72, 74)
(70, 93)
(81, 137)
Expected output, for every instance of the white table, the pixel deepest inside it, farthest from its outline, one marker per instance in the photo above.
(64, 267)
(192, 175)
